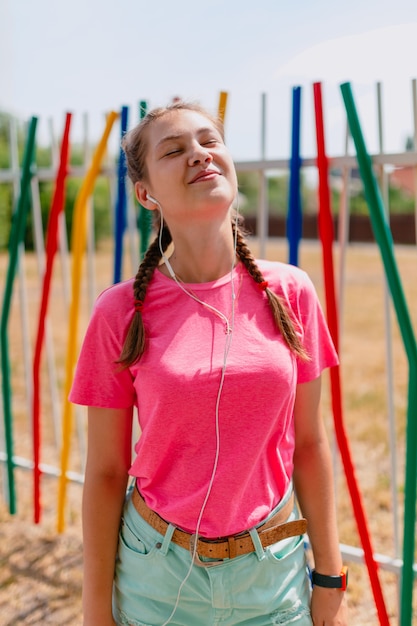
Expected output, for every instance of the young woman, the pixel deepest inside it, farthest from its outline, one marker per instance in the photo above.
(222, 357)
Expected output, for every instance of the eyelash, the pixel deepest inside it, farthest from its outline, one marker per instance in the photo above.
(205, 143)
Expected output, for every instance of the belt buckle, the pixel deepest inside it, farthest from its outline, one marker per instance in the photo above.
(195, 556)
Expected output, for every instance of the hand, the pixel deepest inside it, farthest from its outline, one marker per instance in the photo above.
(328, 607)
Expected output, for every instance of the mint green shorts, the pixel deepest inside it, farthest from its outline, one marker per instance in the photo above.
(269, 586)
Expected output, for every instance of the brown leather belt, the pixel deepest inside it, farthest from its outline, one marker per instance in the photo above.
(273, 530)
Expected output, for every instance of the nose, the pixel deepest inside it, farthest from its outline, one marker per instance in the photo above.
(199, 154)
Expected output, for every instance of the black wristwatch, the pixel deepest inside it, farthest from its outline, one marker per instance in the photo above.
(331, 582)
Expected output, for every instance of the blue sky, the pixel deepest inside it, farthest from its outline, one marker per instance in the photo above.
(96, 55)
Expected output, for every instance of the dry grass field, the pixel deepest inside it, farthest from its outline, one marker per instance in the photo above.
(40, 571)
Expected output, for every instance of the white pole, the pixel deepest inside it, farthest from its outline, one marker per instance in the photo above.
(262, 221)
(414, 96)
(343, 232)
(388, 343)
(343, 239)
(133, 233)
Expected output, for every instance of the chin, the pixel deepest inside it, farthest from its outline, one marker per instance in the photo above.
(222, 202)
(226, 196)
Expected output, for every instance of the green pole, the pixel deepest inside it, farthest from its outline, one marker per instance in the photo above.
(383, 237)
(145, 217)
(16, 238)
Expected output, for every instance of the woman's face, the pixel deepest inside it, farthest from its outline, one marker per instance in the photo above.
(189, 169)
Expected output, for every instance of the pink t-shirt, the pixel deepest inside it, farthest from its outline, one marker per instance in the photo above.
(175, 387)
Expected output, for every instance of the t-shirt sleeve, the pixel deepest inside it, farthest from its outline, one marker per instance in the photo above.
(99, 380)
(315, 334)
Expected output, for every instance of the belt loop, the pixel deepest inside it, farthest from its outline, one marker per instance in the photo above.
(232, 547)
(167, 539)
(259, 549)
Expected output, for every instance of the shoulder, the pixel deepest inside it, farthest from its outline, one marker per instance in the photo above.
(114, 307)
(117, 297)
(292, 284)
(283, 277)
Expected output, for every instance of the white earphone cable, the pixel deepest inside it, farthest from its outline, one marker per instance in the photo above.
(228, 343)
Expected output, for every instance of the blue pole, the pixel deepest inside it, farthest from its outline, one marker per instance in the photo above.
(294, 215)
(121, 203)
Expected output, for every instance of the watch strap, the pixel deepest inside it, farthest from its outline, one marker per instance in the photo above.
(331, 582)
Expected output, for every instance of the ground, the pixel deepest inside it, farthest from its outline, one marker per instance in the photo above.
(41, 570)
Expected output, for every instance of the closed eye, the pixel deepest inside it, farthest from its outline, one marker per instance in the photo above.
(171, 152)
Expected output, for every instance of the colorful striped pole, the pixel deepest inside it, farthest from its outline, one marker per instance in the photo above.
(78, 244)
(57, 206)
(294, 216)
(120, 217)
(326, 237)
(383, 237)
(16, 239)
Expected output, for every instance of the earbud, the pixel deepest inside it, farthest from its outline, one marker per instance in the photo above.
(148, 197)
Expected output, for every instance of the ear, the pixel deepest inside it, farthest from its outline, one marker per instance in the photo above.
(141, 195)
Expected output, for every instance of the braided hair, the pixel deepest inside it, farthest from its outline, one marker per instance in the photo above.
(280, 312)
(134, 344)
(135, 341)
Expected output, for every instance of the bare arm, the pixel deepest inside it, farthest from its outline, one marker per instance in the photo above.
(106, 475)
(313, 480)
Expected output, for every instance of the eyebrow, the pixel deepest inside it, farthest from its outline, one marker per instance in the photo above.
(200, 131)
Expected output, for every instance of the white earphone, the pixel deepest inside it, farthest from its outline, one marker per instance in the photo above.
(148, 197)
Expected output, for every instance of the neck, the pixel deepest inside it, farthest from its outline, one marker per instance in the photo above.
(204, 256)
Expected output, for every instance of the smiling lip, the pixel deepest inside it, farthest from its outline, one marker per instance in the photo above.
(204, 175)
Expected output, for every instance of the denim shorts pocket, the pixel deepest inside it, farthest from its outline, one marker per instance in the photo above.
(288, 568)
(285, 549)
(131, 540)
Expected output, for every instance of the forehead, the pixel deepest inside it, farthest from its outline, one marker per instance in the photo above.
(178, 124)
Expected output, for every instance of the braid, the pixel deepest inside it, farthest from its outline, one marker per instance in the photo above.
(134, 344)
(279, 310)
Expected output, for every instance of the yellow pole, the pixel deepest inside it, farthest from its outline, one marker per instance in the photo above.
(78, 243)
(222, 105)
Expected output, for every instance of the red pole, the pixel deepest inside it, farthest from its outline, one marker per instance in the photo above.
(57, 207)
(326, 238)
